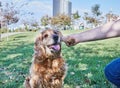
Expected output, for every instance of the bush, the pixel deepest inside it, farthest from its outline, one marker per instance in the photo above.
(3, 30)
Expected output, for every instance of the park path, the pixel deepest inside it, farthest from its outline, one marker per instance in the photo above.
(9, 34)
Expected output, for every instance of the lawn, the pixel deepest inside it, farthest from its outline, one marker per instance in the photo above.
(86, 61)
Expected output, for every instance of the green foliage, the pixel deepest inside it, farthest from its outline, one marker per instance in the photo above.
(110, 15)
(9, 14)
(61, 20)
(94, 19)
(76, 15)
(45, 20)
(3, 30)
(96, 10)
(86, 61)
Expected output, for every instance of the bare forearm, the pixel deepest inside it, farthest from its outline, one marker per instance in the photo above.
(108, 30)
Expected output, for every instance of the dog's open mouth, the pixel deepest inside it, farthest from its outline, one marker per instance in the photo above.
(54, 47)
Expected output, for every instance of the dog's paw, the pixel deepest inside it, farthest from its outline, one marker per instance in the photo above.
(27, 79)
(26, 82)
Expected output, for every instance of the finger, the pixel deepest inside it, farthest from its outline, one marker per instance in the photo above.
(71, 42)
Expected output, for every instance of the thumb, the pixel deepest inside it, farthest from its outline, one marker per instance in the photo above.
(70, 42)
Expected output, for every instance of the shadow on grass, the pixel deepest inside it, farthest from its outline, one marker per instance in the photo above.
(15, 61)
(86, 64)
(22, 36)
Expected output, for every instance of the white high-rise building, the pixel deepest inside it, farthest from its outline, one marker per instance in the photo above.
(62, 7)
(56, 7)
(67, 8)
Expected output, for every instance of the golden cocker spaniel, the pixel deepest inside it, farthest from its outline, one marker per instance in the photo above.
(48, 68)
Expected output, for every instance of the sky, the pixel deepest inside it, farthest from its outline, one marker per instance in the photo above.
(105, 5)
(39, 8)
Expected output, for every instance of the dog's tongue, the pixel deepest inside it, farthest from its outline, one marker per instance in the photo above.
(56, 47)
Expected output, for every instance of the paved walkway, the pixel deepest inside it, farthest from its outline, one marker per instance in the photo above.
(9, 34)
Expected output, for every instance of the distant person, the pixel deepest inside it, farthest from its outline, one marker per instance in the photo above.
(109, 30)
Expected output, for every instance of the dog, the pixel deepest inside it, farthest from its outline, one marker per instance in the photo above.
(48, 68)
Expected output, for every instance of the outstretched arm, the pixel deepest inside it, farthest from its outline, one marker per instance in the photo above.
(108, 30)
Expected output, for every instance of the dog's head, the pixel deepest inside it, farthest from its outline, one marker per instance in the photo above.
(48, 43)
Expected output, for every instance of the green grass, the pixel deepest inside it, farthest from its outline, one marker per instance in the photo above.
(86, 61)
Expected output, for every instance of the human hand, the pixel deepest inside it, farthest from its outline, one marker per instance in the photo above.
(69, 40)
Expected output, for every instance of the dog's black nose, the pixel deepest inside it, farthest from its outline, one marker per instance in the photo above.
(55, 37)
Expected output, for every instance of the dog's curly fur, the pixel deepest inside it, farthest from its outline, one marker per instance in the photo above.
(48, 68)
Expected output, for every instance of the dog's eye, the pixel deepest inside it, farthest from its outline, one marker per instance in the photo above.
(45, 36)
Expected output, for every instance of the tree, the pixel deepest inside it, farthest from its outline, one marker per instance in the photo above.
(85, 16)
(75, 18)
(45, 20)
(111, 17)
(35, 24)
(64, 20)
(91, 19)
(55, 20)
(10, 14)
(76, 15)
(96, 12)
(25, 23)
(61, 20)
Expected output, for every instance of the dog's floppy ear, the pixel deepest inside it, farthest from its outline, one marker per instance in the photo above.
(39, 52)
(38, 40)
